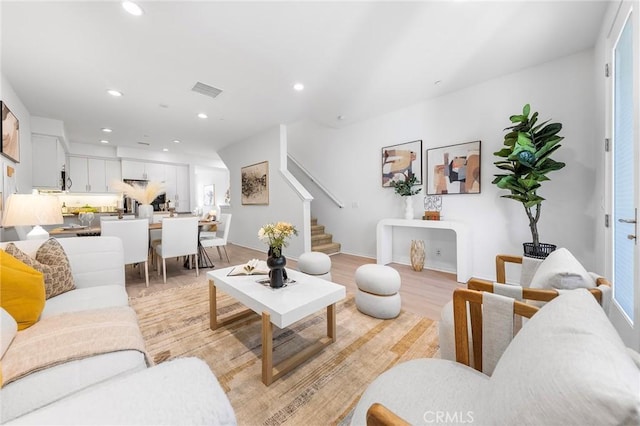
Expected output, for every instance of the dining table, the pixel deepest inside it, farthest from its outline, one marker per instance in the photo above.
(91, 231)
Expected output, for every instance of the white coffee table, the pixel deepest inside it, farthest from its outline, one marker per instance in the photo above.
(280, 307)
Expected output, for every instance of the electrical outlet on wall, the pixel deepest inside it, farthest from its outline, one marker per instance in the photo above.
(438, 252)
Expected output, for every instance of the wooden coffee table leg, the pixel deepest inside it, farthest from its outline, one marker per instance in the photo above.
(213, 310)
(271, 373)
(331, 322)
(267, 349)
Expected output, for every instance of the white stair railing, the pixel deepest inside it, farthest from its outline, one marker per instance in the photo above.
(315, 181)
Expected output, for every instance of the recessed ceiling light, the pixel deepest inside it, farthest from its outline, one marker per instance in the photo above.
(104, 141)
(114, 93)
(298, 86)
(437, 82)
(165, 149)
(202, 115)
(107, 130)
(176, 141)
(132, 8)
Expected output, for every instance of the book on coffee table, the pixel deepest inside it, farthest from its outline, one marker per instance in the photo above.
(252, 267)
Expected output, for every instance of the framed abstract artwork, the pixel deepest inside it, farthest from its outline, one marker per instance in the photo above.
(10, 135)
(454, 169)
(255, 183)
(398, 161)
(209, 192)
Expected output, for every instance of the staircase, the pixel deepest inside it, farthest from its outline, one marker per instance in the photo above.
(321, 241)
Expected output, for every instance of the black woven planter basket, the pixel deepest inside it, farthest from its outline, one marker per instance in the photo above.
(541, 252)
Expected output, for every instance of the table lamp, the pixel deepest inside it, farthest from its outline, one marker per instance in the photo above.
(32, 209)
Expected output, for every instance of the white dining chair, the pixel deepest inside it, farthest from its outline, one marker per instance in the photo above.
(155, 235)
(134, 234)
(179, 238)
(209, 240)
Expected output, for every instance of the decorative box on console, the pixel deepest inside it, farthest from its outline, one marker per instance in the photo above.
(430, 215)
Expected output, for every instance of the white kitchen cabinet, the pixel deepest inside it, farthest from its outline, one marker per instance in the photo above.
(141, 170)
(170, 182)
(113, 172)
(97, 175)
(177, 186)
(92, 174)
(133, 170)
(154, 172)
(183, 189)
(48, 158)
(79, 174)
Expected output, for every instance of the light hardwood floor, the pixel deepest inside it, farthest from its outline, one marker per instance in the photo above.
(423, 293)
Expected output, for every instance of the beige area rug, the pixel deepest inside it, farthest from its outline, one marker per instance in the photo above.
(323, 391)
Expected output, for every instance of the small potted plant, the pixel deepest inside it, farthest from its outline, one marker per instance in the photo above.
(525, 161)
(404, 188)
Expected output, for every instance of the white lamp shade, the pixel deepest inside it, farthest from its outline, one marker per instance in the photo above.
(32, 209)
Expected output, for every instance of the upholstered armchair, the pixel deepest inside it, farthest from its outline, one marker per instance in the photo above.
(540, 282)
(567, 365)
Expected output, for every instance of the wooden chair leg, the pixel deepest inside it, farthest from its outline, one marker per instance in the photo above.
(146, 272)
(195, 256)
(164, 270)
(219, 252)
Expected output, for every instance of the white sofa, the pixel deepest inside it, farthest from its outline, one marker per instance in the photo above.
(117, 387)
(97, 264)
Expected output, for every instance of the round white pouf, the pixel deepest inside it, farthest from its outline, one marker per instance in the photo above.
(378, 287)
(315, 263)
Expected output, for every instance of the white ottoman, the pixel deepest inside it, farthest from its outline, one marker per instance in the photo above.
(315, 263)
(378, 287)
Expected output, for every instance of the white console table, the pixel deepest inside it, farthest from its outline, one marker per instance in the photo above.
(384, 235)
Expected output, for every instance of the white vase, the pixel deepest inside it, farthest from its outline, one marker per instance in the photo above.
(408, 207)
(145, 211)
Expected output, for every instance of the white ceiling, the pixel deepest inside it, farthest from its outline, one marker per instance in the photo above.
(356, 59)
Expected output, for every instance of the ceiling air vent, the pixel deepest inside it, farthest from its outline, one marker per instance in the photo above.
(206, 90)
(144, 143)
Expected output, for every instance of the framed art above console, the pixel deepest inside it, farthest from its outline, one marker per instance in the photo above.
(454, 169)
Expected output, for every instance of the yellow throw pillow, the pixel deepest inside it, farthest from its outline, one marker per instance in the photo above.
(52, 261)
(21, 290)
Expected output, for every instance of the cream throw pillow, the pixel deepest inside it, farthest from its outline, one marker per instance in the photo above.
(52, 261)
(561, 271)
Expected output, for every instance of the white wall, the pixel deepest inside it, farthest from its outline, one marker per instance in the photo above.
(22, 178)
(208, 176)
(284, 202)
(347, 161)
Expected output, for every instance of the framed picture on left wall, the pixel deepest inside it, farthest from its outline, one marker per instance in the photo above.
(10, 134)
(209, 195)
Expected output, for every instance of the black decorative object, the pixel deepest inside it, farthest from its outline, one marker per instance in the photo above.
(277, 273)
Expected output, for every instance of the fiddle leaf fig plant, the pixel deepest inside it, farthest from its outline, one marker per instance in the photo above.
(525, 162)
